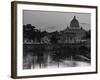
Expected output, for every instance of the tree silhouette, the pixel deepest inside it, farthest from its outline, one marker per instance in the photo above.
(54, 38)
(88, 35)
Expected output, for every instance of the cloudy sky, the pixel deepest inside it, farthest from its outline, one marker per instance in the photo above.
(52, 21)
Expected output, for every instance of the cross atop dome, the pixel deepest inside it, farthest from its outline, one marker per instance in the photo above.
(74, 17)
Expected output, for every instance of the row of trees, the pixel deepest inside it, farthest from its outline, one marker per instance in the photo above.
(30, 32)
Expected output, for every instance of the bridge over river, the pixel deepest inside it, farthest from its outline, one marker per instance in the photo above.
(52, 46)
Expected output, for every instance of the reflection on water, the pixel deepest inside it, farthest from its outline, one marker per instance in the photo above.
(48, 61)
(55, 56)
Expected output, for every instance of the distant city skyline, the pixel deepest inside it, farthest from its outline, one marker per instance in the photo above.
(55, 21)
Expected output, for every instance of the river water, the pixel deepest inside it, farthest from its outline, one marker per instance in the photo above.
(32, 62)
